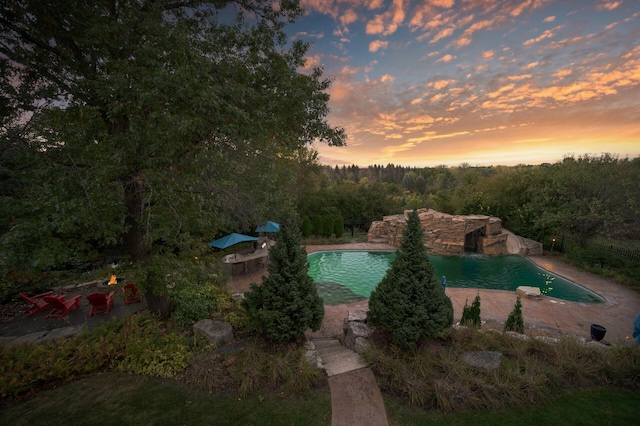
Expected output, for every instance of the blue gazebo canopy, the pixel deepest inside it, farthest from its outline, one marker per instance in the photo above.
(269, 227)
(231, 239)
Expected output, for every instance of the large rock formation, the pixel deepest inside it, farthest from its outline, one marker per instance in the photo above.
(446, 234)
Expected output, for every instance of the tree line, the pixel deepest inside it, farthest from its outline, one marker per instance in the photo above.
(583, 197)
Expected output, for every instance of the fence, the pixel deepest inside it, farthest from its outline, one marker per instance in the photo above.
(633, 255)
(352, 224)
(630, 254)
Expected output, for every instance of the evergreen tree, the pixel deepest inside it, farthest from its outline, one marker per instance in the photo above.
(338, 226)
(318, 226)
(287, 303)
(306, 227)
(515, 321)
(471, 314)
(409, 302)
(327, 227)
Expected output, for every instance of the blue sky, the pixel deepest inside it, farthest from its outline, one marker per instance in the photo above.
(483, 82)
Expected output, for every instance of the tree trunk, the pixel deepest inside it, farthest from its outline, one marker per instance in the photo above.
(138, 247)
(159, 304)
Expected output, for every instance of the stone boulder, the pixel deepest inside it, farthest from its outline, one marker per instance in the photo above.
(355, 330)
(311, 354)
(530, 292)
(488, 360)
(357, 315)
(217, 332)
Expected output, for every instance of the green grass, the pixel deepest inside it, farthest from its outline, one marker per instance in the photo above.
(600, 406)
(119, 399)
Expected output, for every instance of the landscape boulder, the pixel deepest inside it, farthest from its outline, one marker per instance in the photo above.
(217, 332)
(488, 360)
(530, 292)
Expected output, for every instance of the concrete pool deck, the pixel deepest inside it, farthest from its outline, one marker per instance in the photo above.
(546, 313)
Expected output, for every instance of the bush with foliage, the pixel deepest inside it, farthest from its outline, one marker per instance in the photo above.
(433, 377)
(318, 226)
(471, 314)
(409, 303)
(327, 227)
(287, 301)
(306, 227)
(138, 344)
(195, 302)
(256, 366)
(514, 320)
(338, 226)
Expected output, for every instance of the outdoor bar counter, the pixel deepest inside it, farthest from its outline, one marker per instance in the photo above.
(248, 261)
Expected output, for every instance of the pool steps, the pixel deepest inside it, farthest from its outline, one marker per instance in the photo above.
(335, 358)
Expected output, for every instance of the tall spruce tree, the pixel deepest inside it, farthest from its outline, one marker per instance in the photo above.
(287, 303)
(409, 302)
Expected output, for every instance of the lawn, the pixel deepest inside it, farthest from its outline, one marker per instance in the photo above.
(120, 399)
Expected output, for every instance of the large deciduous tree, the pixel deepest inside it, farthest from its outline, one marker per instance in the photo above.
(409, 303)
(136, 122)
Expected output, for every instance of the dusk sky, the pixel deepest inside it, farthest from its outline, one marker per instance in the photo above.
(483, 82)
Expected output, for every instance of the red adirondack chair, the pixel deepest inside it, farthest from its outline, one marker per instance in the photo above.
(100, 302)
(132, 294)
(60, 306)
(37, 303)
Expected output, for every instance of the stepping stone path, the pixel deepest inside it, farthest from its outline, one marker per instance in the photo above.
(335, 358)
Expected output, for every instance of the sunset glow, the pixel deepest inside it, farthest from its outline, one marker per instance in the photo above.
(482, 82)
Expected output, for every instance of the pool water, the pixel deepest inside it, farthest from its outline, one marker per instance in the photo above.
(351, 275)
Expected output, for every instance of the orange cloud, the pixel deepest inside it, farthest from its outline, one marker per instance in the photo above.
(546, 34)
(348, 17)
(440, 84)
(488, 54)
(446, 58)
(376, 45)
(387, 78)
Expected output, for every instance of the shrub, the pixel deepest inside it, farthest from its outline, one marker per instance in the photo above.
(409, 303)
(532, 371)
(138, 344)
(195, 302)
(254, 367)
(318, 226)
(287, 302)
(471, 314)
(306, 227)
(327, 227)
(338, 226)
(514, 320)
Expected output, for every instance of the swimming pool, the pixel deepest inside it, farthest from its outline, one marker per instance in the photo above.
(351, 275)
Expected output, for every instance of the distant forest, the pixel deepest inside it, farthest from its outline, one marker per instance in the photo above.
(582, 198)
